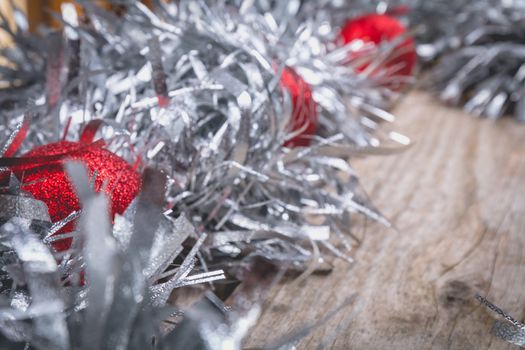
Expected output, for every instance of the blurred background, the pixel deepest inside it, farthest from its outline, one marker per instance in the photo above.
(39, 12)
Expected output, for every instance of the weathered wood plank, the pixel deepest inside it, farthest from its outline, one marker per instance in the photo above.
(457, 200)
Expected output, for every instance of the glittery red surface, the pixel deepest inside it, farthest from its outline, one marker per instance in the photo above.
(304, 116)
(50, 184)
(377, 28)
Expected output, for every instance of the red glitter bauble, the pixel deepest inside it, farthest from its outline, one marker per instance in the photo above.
(49, 182)
(376, 28)
(304, 117)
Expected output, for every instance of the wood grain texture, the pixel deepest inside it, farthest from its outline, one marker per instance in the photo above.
(457, 200)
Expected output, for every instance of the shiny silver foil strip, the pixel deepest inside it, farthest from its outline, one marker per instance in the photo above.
(510, 330)
(13, 206)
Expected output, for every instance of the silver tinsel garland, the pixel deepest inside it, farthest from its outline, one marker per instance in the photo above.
(305, 36)
(192, 90)
(478, 50)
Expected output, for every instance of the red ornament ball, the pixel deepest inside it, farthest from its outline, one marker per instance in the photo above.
(304, 118)
(49, 182)
(375, 28)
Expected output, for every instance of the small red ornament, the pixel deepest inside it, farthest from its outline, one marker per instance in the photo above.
(375, 29)
(304, 117)
(47, 181)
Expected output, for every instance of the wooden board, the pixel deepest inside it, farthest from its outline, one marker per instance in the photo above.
(457, 200)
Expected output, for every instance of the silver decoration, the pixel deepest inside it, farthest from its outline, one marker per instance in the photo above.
(510, 330)
(473, 48)
(46, 303)
(304, 35)
(209, 324)
(193, 89)
(15, 205)
(478, 51)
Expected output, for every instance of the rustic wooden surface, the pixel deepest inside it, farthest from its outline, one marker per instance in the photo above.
(457, 199)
